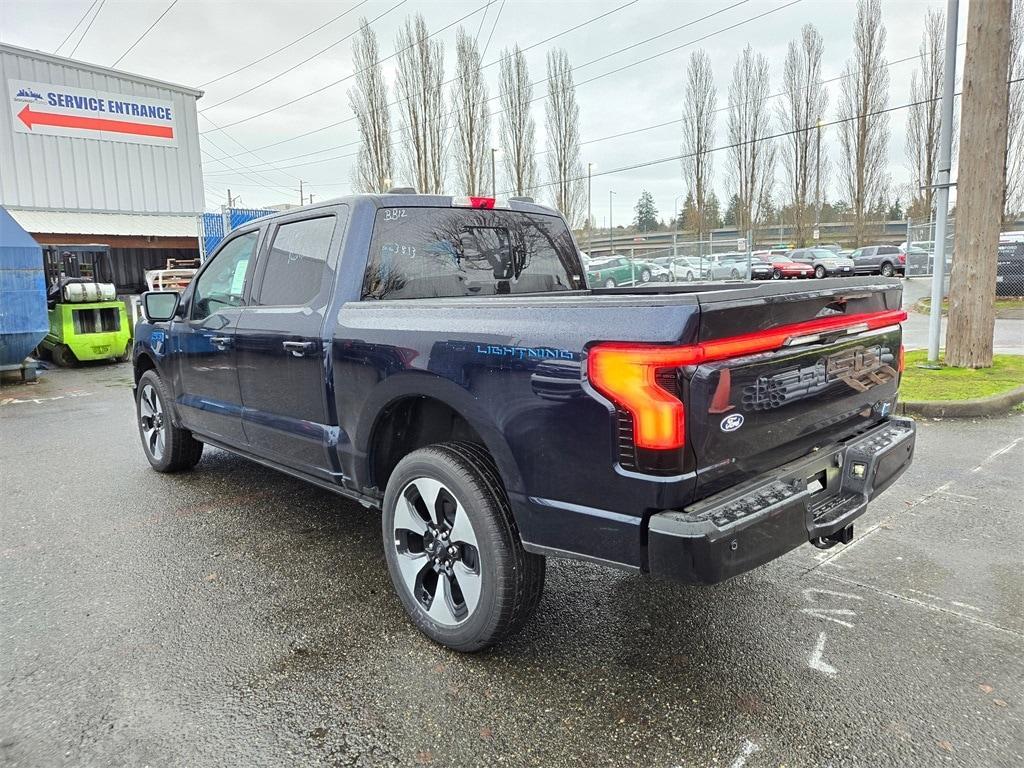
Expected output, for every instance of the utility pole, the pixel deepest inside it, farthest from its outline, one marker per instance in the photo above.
(942, 191)
(611, 245)
(983, 126)
(590, 223)
(302, 197)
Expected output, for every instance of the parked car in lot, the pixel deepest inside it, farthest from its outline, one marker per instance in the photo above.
(727, 266)
(441, 360)
(689, 268)
(834, 247)
(885, 260)
(618, 270)
(825, 262)
(661, 269)
(1010, 267)
(784, 267)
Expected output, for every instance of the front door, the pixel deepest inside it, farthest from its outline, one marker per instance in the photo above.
(283, 342)
(209, 400)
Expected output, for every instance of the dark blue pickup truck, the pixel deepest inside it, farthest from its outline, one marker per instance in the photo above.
(443, 359)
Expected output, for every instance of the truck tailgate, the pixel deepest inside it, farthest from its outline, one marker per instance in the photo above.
(835, 374)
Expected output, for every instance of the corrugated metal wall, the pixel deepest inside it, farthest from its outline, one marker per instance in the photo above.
(39, 171)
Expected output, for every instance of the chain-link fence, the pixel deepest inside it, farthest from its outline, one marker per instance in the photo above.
(214, 227)
(920, 247)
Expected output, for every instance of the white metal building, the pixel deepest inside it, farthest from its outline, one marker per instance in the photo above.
(90, 154)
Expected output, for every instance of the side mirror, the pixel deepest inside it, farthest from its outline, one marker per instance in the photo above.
(160, 306)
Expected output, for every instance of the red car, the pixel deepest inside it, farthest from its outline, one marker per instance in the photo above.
(783, 267)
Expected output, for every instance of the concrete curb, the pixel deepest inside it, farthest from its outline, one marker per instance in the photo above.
(996, 405)
(923, 307)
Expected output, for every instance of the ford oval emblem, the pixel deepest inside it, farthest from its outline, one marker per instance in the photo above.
(732, 422)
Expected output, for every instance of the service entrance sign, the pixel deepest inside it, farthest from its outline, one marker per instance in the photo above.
(60, 110)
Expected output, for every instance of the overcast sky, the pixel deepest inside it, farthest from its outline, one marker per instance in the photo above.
(200, 40)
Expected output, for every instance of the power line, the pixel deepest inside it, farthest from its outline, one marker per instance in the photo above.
(772, 137)
(148, 30)
(88, 27)
(623, 67)
(283, 47)
(77, 25)
(496, 61)
(347, 77)
(534, 45)
(296, 66)
(207, 138)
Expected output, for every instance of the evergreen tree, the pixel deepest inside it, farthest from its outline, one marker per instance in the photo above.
(646, 214)
(729, 220)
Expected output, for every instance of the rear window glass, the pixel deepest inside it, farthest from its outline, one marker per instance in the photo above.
(439, 252)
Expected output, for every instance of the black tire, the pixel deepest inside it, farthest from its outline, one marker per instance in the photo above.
(689, 277)
(609, 283)
(776, 274)
(887, 270)
(645, 276)
(511, 579)
(734, 275)
(62, 356)
(819, 272)
(180, 449)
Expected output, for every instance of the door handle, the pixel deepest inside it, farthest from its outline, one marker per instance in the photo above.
(298, 348)
(220, 341)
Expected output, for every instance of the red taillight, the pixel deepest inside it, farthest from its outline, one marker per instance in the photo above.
(626, 373)
(903, 257)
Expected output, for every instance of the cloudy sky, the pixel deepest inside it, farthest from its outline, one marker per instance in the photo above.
(198, 42)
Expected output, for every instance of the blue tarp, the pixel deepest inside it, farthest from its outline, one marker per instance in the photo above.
(23, 317)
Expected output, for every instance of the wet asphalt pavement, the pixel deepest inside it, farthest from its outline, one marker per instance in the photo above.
(233, 616)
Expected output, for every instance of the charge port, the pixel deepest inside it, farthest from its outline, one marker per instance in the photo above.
(816, 483)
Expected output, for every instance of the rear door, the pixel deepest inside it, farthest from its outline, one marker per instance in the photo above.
(281, 344)
(864, 260)
(204, 343)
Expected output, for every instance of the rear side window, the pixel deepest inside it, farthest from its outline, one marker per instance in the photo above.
(297, 267)
(420, 253)
(888, 249)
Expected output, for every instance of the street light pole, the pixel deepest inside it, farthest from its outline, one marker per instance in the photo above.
(494, 177)
(590, 222)
(611, 245)
(675, 229)
(817, 183)
(942, 188)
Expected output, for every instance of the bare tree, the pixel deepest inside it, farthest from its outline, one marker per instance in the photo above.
(800, 112)
(420, 80)
(369, 102)
(473, 121)
(864, 134)
(923, 118)
(562, 117)
(751, 152)
(1013, 196)
(517, 126)
(699, 99)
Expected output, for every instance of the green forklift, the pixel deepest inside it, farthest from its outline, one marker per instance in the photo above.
(87, 320)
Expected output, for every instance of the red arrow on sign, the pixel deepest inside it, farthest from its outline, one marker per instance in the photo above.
(30, 118)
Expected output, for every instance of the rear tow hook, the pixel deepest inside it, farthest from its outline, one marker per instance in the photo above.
(842, 536)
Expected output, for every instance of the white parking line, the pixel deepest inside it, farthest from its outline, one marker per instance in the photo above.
(816, 662)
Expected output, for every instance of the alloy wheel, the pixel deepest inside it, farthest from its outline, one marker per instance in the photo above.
(438, 555)
(151, 421)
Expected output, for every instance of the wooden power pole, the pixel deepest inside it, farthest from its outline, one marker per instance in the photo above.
(979, 198)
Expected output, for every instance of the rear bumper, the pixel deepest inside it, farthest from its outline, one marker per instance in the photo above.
(746, 526)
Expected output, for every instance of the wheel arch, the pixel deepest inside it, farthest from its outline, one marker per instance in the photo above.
(440, 411)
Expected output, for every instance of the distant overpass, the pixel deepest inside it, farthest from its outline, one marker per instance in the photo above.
(725, 239)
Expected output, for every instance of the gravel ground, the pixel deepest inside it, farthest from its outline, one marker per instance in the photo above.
(233, 616)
